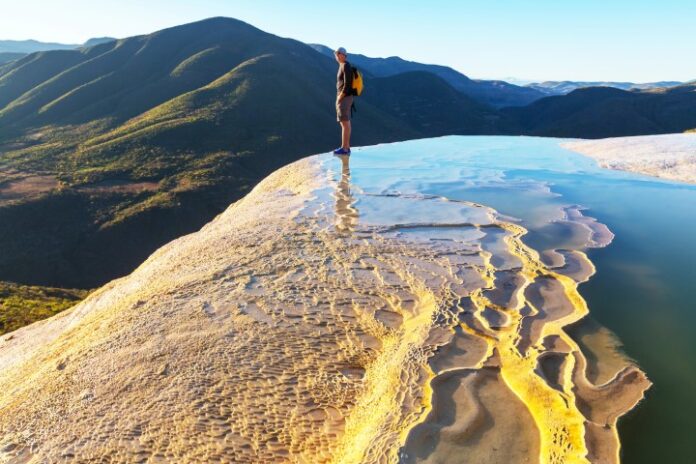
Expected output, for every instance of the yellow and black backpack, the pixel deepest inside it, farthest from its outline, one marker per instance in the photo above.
(357, 85)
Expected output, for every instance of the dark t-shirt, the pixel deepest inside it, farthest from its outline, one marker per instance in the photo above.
(344, 79)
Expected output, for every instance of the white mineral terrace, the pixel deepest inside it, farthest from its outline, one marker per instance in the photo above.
(317, 320)
(670, 156)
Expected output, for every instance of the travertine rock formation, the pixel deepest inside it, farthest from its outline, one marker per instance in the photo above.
(670, 156)
(314, 322)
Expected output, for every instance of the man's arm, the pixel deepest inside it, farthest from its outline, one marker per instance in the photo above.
(347, 80)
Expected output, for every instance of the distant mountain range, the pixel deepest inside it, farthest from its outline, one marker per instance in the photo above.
(14, 49)
(32, 46)
(493, 93)
(597, 112)
(109, 151)
(564, 87)
(496, 93)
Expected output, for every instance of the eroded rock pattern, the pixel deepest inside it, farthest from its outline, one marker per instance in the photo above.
(313, 322)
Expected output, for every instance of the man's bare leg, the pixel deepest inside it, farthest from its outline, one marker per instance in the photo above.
(345, 135)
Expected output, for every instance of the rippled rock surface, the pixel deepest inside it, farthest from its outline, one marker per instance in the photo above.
(336, 314)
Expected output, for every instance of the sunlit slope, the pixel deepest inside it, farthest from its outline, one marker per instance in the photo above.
(262, 105)
(21, 305)
(124, 78)
(22, 75)
(316, 322)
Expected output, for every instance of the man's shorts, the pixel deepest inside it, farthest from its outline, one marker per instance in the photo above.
(343, 108)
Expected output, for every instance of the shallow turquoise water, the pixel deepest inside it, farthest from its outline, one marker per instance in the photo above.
(645, 286)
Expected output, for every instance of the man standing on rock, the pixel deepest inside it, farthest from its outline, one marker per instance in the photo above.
(344, 99)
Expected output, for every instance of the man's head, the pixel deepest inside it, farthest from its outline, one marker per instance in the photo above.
(340, 54)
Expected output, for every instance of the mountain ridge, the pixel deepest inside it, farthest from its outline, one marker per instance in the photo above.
(32, 46)
(565, 87)
(599, 112)
(494, 93)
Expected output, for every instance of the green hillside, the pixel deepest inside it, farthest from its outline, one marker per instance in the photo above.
(21, 304)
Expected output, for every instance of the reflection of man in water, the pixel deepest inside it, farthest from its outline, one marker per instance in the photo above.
(346, 214)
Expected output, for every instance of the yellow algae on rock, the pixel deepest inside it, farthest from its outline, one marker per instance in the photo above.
(314, 322)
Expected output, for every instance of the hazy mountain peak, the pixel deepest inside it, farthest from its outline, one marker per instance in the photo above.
(97, 41)
(31, 46)
(564, 87)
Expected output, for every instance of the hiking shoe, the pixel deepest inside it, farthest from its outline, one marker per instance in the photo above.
(341, 151)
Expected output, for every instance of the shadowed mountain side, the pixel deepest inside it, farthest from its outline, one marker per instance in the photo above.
(494, 93)
(430, 105)
(6, 57)
(598, 112)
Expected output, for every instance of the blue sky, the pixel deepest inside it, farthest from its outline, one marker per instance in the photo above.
(535, 39)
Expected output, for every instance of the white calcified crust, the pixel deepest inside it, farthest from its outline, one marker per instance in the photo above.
(670, 156)
(311, 324)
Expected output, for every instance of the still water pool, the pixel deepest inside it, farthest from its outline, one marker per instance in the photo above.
(644, 289)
